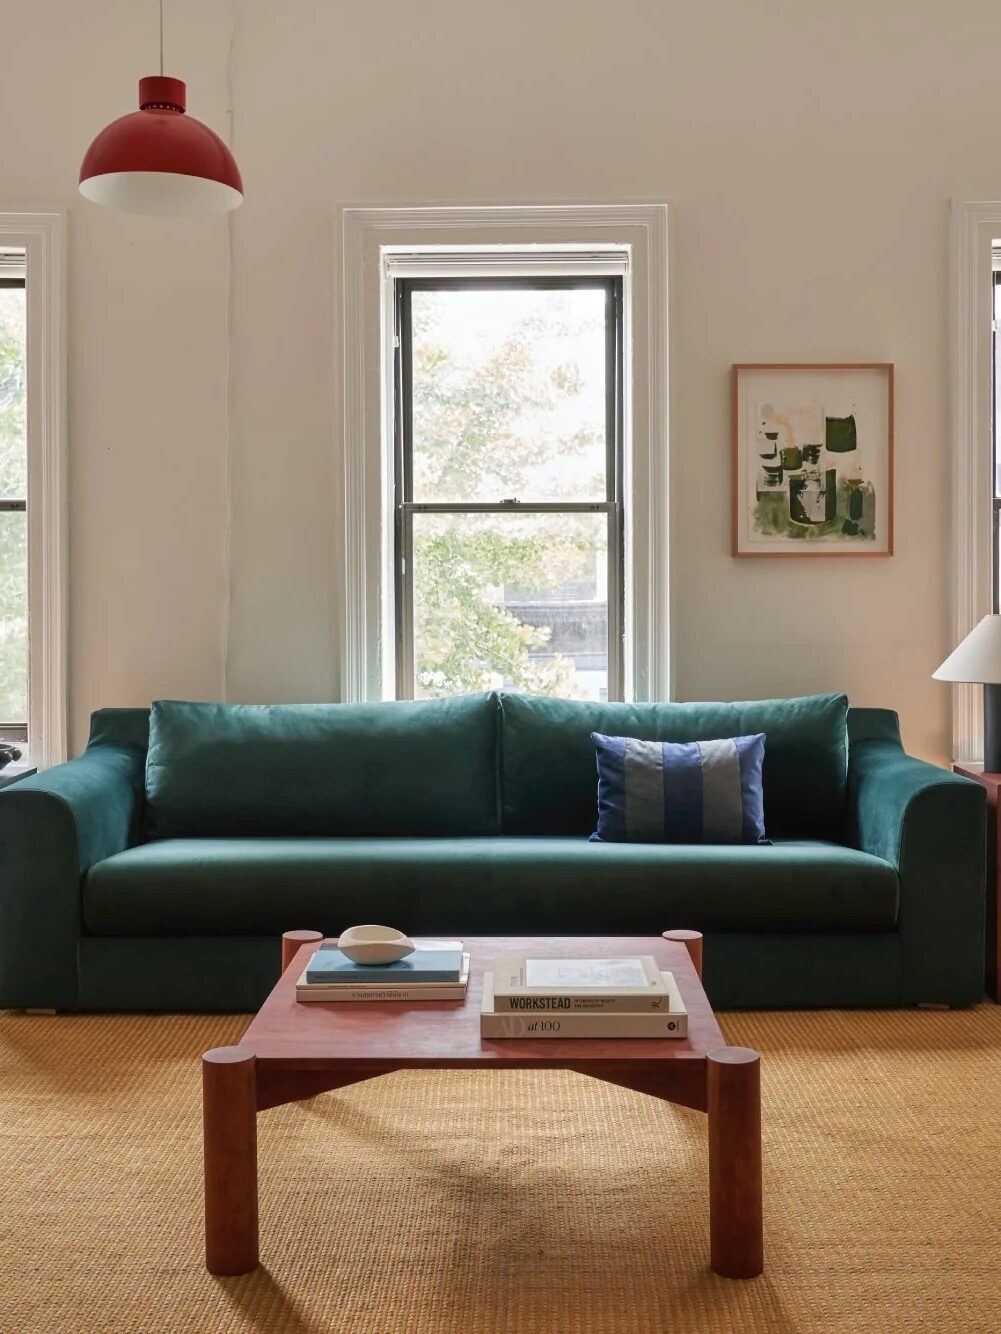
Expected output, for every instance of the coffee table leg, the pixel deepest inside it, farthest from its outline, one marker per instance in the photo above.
(229, 1107)
(733, 1077)
(292, 942)
(692, 941)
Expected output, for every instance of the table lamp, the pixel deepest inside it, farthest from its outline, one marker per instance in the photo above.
(978, 659)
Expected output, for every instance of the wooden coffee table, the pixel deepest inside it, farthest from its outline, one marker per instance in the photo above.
(292, 1051)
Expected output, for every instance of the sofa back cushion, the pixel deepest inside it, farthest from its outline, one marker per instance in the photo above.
(119, 727)
(402, 768)
(549, 779)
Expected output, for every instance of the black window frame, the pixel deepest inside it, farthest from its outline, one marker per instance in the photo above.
(405, 507)
(13, 730)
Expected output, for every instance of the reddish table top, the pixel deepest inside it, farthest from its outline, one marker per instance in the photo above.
(367, 1037)
(978, 774)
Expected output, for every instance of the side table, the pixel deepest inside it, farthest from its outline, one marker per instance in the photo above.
(13, 773)
(991, 783)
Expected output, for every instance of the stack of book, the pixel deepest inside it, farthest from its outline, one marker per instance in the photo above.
(437, 970)
(581, 998)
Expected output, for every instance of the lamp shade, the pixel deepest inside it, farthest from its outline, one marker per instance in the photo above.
(159, 160)
(978, 657)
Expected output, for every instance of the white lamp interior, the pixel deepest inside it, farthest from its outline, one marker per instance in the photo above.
(169, 194)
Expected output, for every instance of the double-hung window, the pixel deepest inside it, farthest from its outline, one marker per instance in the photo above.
(13, 502)
(995, 441)
(508, 485)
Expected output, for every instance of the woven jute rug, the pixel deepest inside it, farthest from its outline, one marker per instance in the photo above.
(520, 1202)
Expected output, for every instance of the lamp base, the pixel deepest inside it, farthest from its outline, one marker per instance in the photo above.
(992, 729)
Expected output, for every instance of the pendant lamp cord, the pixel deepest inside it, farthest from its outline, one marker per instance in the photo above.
(161, 38)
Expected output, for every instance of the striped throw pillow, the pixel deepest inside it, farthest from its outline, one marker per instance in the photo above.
(680, 792)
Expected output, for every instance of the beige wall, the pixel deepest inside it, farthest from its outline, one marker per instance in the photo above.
(147, 353)
(809, 152)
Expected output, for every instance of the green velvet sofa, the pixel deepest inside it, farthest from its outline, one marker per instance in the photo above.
(157, 870)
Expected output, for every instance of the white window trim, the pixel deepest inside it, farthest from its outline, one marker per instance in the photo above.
(974, 226)
(365, 234)
(42, 235)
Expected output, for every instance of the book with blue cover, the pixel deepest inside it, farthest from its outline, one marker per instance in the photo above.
(424, 965)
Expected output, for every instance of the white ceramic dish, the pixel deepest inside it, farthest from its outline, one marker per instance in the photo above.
(375, 944)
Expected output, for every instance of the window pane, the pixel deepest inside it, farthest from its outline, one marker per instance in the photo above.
(13, 451)
(13, 618)
(515, 601)
(508, 394)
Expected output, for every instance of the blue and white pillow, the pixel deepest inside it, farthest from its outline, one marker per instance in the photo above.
(680, 792)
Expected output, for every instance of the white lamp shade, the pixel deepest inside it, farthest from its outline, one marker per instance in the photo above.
(977, 658)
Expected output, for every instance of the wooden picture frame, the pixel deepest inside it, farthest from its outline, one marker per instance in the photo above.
(820, 481)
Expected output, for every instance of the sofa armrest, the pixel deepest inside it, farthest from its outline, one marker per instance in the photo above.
(931, 825)
(53, 828)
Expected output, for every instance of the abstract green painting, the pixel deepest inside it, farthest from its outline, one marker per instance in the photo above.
(812, 459)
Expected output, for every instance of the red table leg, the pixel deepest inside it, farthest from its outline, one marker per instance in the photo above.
(692, 941)
(293, 941)
(733, 1076)
(229, 1107)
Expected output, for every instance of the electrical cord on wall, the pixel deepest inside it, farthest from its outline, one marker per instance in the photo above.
(228, 453)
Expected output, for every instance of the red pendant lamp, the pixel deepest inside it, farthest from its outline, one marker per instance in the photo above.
(159, 160)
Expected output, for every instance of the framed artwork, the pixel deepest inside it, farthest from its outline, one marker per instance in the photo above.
(813, 460)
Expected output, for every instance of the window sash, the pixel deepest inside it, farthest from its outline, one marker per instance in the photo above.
(995, 498)
(505, 262)
(12, 275)
(405, 507)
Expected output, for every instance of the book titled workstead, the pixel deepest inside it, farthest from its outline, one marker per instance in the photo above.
(634, 985)
(669, 1022)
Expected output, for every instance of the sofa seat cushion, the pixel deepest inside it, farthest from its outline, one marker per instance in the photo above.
(563, 886)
